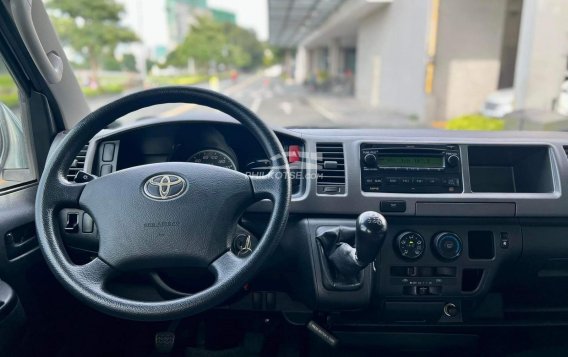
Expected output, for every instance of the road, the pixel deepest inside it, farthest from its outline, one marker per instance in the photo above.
(270, 98)
(280, 103)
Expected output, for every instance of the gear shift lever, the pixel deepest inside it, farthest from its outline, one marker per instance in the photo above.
(346, 251)
(371, 230)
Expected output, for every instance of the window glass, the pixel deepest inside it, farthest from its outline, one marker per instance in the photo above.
(430, 64)
(15, 165)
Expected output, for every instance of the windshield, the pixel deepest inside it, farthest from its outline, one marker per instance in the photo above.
(444, 64)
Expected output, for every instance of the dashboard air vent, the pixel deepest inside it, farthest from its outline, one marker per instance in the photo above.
(330, 168)
(565, 150)
(78, 164)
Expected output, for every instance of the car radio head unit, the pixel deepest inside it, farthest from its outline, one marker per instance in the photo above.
(400, 168)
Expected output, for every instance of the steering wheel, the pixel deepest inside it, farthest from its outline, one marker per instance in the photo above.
(161, 215)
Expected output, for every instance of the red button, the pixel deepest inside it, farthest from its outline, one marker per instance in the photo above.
(293, 153)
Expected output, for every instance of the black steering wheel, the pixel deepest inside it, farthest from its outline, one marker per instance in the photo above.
(161, 215)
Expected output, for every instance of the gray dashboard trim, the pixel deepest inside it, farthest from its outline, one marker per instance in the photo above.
(553, 204)
(460, 209)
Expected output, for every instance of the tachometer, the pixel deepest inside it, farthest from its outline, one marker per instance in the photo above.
(213, 157)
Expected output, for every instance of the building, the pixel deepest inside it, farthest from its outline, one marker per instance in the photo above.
(182, 14)
(429, 59)
(170, 22)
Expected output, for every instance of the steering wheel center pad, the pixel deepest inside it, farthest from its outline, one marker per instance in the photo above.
(193, 228)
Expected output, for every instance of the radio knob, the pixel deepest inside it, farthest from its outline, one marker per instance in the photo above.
(453, 160)
(370, 160)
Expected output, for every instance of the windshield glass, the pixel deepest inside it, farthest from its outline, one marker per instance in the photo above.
(445, 64)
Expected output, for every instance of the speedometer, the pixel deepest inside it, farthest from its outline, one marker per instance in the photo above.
(213, 157)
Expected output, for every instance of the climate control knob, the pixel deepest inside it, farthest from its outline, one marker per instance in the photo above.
(447, 245)
(410, 245)
(370, 160)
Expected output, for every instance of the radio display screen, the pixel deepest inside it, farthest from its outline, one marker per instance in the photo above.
(411, 161)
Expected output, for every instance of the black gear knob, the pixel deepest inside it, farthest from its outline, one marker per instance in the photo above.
(371, 230)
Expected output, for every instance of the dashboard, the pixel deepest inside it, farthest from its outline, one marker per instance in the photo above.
(224, 145)
(475, 220)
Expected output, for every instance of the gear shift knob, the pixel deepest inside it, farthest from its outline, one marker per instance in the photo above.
(371, 230)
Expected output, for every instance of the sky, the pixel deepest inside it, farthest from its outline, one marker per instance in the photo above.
(148, 17)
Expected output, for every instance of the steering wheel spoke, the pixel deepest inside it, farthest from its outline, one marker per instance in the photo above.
(66, 193)
(225, 266)
(268, 186)
(93, 274)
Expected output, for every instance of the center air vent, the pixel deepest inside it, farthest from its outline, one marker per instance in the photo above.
(331, 168)
(78, 164)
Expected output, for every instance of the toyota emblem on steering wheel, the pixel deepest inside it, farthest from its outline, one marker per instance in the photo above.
(165, 187)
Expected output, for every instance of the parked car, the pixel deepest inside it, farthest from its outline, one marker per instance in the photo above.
(562, 105)
(501, 102)
(13, 153)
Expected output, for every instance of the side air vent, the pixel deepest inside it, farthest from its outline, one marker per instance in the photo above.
(78, 164)
(331, 168)
(566, 150)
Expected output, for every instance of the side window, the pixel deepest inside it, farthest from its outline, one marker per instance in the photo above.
(15, 163)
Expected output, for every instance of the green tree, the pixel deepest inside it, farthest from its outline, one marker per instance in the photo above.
(91, 27)
(204, 43)
(210, 41)
(109, 63)
(246, 51)
(129, 62)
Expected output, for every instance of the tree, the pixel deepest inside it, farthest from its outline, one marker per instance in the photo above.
(109, 63)
(91, 27)
(210, 41)
(129, 62)
(204, 44)
(243, 42)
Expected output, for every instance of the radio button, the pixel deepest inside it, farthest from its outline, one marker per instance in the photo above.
(419, 181)
(453, 182)
(406, 180)
(393, 206)
(392, 180)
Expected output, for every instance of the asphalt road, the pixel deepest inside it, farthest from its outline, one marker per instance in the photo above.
(283, 104)
(271, 99)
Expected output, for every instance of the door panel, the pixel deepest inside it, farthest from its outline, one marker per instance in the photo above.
(16, 210)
